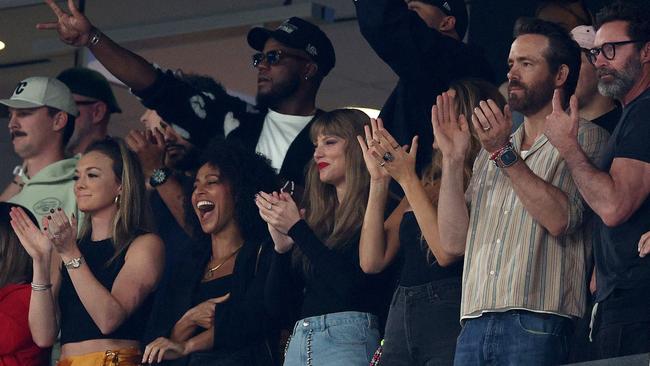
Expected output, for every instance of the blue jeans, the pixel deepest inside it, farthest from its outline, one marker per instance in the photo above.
(516, 337)
(423, 324)
(340, 339)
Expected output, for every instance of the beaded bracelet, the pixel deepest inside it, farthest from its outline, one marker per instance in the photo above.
(41, 287)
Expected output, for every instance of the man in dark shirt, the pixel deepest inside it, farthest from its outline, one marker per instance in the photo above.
(422, 42)
(293, 60)
(619, 191)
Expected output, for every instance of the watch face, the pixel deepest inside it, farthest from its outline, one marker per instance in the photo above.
(158, 176)
(76, 263)
(508, 158)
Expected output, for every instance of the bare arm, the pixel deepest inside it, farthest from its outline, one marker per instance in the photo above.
(76, 30)
(43, 311)
(166, 349)
(138, 277)
(379, 241)
(453, 225)
(172, 195)
(613, 195)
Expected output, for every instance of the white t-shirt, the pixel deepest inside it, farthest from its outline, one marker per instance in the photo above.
(278, 132)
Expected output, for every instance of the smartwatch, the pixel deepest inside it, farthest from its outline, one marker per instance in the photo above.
(506, 158)
(159, 176)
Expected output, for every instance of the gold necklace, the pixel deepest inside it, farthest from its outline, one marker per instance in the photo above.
(210, 271)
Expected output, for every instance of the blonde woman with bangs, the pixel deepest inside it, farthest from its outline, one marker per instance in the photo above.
(96, 290)
(423, 319)
(316, 259)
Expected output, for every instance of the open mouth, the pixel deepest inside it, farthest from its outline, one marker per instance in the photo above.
(205, 206)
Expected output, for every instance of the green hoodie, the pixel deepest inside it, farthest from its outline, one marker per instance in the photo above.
(50, 188)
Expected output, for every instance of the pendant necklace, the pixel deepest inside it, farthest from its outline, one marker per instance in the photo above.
(210, 271)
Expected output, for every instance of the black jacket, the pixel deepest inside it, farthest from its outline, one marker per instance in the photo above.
(203, 114)
(425, 60)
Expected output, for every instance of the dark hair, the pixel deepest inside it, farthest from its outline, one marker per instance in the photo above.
(565, 5)
(635, 13)
(69, 126)
(561, 49)
(15, 263)
(247, 173)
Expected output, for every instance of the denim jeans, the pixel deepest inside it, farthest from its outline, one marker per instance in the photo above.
(423, 323)
(340, 339)
(515, 337)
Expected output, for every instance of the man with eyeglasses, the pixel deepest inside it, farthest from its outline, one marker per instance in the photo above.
(421, 41)
(618, 189)
(292, 61)
(96, 102)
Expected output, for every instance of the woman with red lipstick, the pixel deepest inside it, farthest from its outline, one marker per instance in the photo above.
(316, 262)
(97, 290)
(425, 311)
(216, 295)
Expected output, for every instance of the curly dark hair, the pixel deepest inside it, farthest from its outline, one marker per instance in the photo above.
(247, 173)
(635, 13)
(561, 50)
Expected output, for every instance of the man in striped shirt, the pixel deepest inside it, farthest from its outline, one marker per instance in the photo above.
(525, 250)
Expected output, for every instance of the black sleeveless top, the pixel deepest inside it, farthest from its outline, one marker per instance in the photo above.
(211, 289)
(76, 323)
(418, 269)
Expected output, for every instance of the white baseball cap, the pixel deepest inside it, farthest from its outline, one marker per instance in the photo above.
(584, 35)
(41, 91)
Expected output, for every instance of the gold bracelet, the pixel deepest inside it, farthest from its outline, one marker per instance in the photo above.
(41, 287)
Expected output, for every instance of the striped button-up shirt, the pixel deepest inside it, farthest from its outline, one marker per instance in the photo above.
(511, 260)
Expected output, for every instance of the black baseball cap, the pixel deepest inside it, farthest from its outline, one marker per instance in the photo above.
(454, 8)
(299, 34)
(91, 84)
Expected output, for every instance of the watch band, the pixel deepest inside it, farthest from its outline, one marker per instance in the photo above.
(506, 158)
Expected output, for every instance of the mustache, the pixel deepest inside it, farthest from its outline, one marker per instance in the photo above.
(15, 134)
(602, 71)
(516, 84)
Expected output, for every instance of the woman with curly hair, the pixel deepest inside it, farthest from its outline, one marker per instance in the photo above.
(423, 320)
(316, 261)
(223, 320)
(95, 290)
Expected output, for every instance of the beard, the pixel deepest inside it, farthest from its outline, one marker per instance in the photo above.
(279, 92)
(622, 81)
(534, 98)
(185, 162)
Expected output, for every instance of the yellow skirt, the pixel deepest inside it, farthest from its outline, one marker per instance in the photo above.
(122, 357)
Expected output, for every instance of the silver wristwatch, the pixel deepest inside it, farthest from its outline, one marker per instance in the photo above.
(74, 263)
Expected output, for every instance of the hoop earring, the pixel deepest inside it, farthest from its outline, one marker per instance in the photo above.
(117, 200)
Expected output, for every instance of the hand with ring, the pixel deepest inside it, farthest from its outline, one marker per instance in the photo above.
(492, 126)
(62, 232)
(280, 213)
(394, 159)
(377, 174)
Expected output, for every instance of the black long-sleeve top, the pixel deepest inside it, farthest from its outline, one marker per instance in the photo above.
(425, 61)
(335, 282)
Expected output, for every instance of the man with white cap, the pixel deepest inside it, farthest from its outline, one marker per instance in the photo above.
(595, 107)
(41, 121)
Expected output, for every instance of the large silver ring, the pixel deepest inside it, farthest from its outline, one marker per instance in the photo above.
(388, 157)
(270, 207)
(487, 128)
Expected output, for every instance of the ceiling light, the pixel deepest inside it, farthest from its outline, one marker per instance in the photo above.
(2, 45)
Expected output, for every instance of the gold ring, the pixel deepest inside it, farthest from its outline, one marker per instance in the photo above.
(487, 128)
(382, 163)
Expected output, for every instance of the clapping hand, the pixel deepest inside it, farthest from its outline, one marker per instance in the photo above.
(62, 233)
(389, 155)
(74, 28)
(492, 126)
(376, 171)
(561, 128)
(35, 242)
(280, 213)
(450, 130)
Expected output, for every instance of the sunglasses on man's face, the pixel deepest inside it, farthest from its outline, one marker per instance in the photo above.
(608, 50)
(273, 57)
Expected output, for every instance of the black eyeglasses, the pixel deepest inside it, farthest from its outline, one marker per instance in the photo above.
(608, 50)
(273, 57)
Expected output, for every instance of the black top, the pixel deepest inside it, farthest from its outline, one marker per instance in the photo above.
(239, 322)
(202, 114)
(609, 120)
(618, 265)
(335, 283)
(211, 289)
(417, 270)
(425, 61)
(76, 323)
